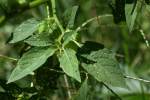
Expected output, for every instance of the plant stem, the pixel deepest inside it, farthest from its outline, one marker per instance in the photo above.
(57, 71)
(47, 10)
(55, 16)
(8, 58)
(48, 14)
(138, 79)
(90, 20)
(67, 86)
(57, 20)
(143, 35)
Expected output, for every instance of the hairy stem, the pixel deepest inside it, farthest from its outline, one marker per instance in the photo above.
(138, 79)
(90, 20)
(144, 37)
(8, 58)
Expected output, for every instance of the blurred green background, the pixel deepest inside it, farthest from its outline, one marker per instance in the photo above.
(132, 52)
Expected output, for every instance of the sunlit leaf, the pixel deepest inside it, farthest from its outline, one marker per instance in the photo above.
(30, 61)
(24, 30)
(39, 40)
(70, 15)
(69, 64)
(105, 69)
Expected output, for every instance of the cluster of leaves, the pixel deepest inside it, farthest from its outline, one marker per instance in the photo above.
(47, 40)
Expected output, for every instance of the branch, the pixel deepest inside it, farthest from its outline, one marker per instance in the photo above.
(138, 79)
(8, 58)
(67, 86)
(57, 71)
(144, 37)
(57, 20)
(90, 20)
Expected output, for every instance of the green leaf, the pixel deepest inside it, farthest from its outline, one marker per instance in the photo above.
(86, 49)
(131, 12)
(53, 27)
(130, 18)
(83, 91)
(69, 36)
(30, 61)
(47, 25)
(70, 15)
(69, 64)
(42, 39)
(105, 69)
(25, 30)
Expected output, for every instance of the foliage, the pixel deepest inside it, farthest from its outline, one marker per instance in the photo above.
(56, 55)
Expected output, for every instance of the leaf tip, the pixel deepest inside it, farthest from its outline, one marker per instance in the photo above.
(79, 80)
(9, 81)
(11, 41)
